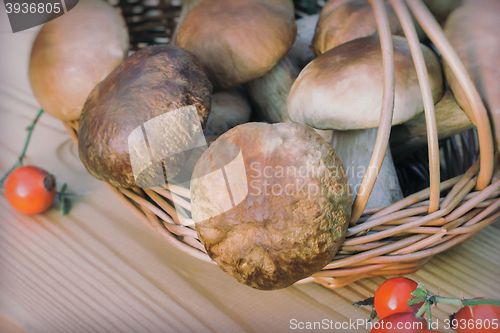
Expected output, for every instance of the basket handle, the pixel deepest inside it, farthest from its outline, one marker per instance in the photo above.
(410, 32)
(479, 115)
(384, 129)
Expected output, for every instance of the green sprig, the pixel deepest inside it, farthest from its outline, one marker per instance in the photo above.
(27, 141)
(64, 201)
(423, 295)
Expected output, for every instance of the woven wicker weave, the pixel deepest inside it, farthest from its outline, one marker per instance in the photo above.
(397, 239)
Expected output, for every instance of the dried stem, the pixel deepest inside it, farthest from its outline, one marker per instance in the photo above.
(21, 157)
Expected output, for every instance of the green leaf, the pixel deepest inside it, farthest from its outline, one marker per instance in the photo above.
(419, 295)
(62, 192)
(64, 202)
(373, 314)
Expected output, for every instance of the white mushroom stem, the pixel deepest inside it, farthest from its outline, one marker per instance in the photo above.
(269, 93)
(355, 148)
(301, 53)
(450, 120)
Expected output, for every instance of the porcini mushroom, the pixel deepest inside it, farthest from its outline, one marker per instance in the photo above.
(269, 93)
(186, 7)
(153, 82)
(341, 21)
(74, 52)
(472, 31)
(442, 8)
(237, 40)
(229, 109)
(340, 90)
(281, 208)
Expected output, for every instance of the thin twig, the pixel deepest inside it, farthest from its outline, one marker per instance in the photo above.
(21, 157)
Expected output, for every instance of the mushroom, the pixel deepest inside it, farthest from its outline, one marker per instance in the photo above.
(341, 91)
(450, 120)
(472, 31)
(269, 93)
(441, 9)
(186, 7)
(133, 104)
(237, 40)
(74, 52)
(341, 21)
(229, 109)
(281, 209)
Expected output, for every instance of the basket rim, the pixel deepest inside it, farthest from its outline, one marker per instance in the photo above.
(403, 236)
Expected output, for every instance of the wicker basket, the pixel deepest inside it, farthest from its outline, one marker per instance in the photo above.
(397, 239)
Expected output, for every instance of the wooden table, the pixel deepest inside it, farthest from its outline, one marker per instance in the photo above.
(100, 270)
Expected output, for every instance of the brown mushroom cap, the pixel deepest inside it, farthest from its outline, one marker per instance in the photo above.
(269, 92)
(150, 83)
(289, 203)
(238, 40)
(341, 21)
(73, 53)
(342, 89)
(472, 31)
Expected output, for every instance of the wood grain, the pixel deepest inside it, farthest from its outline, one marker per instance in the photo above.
(101, 270)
